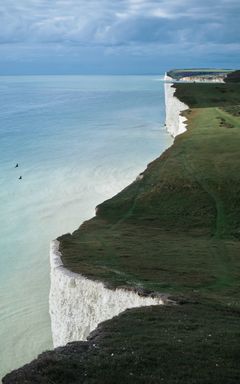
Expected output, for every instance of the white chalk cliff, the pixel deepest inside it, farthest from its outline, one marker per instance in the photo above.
(204, 79)
(175, 122)
(77, 304)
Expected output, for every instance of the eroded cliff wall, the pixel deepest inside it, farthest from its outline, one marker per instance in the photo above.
(175, 122)
(78, 305)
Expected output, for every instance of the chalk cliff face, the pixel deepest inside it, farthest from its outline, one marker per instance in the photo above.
(78, 305)
(204, 79)
(175, 122)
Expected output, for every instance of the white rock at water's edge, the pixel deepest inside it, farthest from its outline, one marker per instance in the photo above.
(175, 122)
(77, 305)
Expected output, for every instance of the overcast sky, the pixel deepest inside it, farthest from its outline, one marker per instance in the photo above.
(117, 36)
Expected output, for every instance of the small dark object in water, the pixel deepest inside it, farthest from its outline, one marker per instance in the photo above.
(20, 178)
(16, 166)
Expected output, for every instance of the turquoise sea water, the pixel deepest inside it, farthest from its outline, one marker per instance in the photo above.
(78, 140)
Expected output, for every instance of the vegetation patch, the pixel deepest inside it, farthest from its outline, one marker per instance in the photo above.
(177, 228)
(184, 344)
(233, 77)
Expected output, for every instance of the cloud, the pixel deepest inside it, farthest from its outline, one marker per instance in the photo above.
(116, 22)
(47, 27)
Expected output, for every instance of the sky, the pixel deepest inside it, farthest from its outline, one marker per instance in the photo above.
(117, 36)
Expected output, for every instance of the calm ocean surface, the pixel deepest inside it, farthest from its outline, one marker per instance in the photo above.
(78, 140)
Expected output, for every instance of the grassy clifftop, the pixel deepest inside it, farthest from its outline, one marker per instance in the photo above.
(187, 344)
(176, 229)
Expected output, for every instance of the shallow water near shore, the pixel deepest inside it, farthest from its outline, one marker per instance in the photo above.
(78, 141)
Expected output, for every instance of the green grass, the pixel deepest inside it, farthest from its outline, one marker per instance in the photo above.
(233, 77)
(186, 344)
(177, 229)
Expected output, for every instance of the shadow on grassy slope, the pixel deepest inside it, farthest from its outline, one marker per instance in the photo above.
(186, 344)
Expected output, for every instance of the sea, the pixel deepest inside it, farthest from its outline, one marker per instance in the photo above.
(67, 143)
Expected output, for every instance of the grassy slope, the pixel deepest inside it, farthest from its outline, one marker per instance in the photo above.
(177, 229)
(187, 344)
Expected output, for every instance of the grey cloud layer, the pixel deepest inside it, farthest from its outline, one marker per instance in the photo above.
(118, 22)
